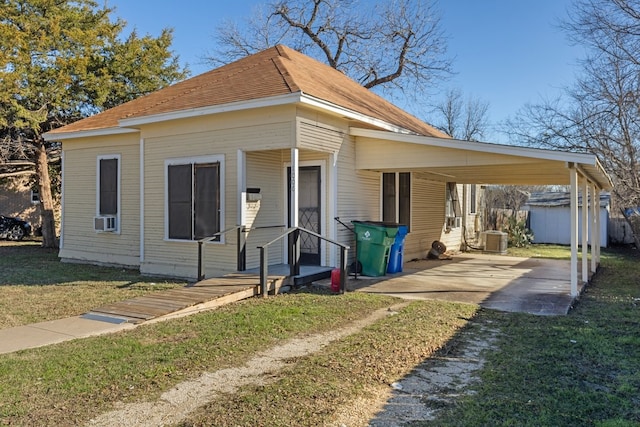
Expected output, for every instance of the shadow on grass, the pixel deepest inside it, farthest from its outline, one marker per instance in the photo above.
(580, 369)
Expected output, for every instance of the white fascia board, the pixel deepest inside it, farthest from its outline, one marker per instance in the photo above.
(291, 98)
(87, 133)
(483, 147)
(353, 115)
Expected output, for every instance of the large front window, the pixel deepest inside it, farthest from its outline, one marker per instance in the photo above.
(194, 198)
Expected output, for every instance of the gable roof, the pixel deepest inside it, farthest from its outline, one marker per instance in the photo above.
(273, 72)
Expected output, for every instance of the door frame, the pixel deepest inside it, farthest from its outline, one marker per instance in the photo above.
(323, 204)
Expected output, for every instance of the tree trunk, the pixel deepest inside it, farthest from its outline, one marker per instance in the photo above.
(49, 238)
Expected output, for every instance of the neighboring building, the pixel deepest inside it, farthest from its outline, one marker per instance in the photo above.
(17, 199)
(550, 217)
(272, 140)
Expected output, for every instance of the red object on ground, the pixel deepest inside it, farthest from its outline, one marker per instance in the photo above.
(335, 280)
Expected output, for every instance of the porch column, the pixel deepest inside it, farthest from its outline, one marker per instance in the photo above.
(293, 186)
(585, 230)
(294, 239)
(333, 207)
(242, 188)
(573, 176)
(595, 227)
(598, 225)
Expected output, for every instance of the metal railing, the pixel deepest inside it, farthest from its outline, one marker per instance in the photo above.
(294, 257)
(240, 253)
(241, 250)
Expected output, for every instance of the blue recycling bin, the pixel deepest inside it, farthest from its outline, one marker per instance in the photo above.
(396, 254)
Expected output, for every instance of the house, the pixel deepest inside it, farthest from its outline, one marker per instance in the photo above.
(273, 140)
(550, 217)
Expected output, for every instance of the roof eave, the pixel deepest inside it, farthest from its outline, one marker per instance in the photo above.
(60, 136)
(290, 98)
(352, 115)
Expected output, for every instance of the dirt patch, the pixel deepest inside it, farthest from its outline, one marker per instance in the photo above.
(437, 383)
(176, 404)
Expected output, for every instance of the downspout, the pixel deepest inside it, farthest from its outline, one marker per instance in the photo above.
(142, 200)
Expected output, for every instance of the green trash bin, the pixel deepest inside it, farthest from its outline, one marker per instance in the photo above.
(374, 240)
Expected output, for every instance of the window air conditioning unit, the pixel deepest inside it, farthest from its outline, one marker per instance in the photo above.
(495, 242)
(104, 223)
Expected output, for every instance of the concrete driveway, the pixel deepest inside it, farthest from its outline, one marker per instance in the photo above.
(530, 285)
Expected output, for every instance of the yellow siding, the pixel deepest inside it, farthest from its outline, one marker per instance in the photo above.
(214, 137)
(358, 194)
(319, 137)
(265, 171)
(80, 241)
(427, 217)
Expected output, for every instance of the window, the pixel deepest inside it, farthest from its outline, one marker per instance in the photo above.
(396, 197)
(452, 207)
(194, 198)
(108, 193)
(35, 197)
(473, 199)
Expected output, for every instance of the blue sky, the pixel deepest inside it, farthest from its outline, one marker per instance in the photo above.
(507, 52)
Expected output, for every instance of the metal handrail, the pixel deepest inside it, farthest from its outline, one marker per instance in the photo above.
(241, 257)
(294, 256)
(241, 253)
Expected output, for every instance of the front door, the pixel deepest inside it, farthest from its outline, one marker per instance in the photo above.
(309, 213)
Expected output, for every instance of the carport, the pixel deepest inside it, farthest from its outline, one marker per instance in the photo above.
(466, 162)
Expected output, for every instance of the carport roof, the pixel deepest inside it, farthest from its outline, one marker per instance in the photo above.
(472, 162)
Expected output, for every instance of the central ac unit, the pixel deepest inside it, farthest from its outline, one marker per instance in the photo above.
(104, 223)
(495, 242)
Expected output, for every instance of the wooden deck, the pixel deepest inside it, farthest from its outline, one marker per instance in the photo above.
(203, 295)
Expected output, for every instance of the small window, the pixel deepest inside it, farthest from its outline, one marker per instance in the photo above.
(193, 200)
(396, 197)
(108, 188)
(35, 197)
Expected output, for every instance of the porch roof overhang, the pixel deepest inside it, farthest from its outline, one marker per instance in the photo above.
(468, 162)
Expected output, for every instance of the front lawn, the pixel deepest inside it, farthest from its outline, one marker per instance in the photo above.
(35, 286)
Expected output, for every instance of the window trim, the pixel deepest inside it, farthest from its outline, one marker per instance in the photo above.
(117, 157)
(397, 197)
(218, 158)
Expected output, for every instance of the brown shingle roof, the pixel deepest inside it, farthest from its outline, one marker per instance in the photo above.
(275, 71)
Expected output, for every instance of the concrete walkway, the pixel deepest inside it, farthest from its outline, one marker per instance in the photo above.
(504, 283)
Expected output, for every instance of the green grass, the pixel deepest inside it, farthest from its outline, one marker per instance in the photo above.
(68, 383)
(542, 251)
(581, 369)
(36, 286)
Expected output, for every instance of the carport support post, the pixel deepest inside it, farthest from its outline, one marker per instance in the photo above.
(585, 230)
(573, 175)
(598, 226)
(595, 227)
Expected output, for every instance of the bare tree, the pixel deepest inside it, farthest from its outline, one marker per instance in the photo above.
(600, 113)
(389, 45)
(467, 120)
